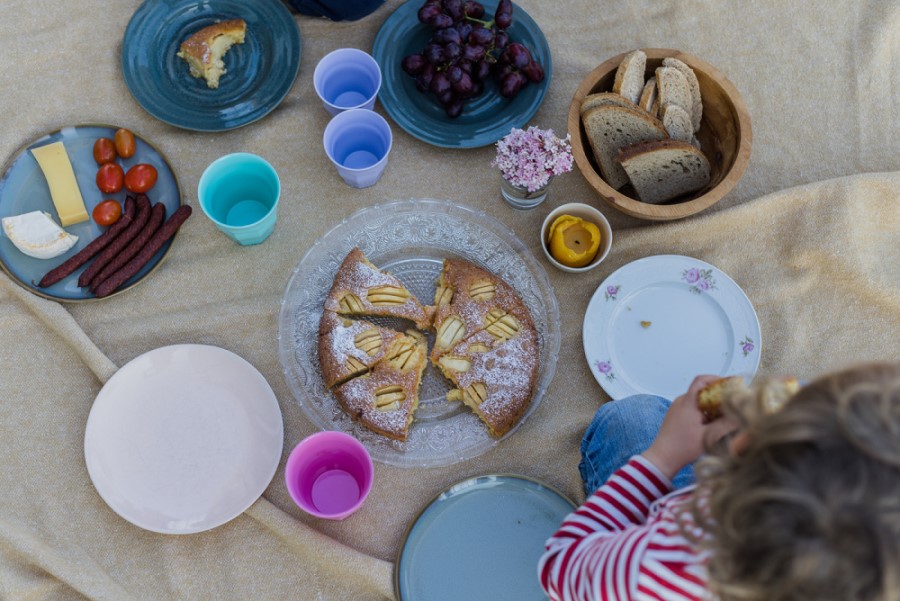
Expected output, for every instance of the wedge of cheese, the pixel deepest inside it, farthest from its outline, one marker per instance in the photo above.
(54, 162)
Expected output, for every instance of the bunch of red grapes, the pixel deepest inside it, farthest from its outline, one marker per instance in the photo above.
(465, 51)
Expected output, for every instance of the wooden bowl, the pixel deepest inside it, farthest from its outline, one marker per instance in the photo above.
(725, 137)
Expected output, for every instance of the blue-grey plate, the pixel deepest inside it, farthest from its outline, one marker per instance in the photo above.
(260, 72)
(23, 188)
(480, 539)
(485, 118)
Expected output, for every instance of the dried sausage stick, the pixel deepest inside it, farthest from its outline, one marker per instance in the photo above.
(168, 229)
(95, 246)
(157, 216)
(110, 252)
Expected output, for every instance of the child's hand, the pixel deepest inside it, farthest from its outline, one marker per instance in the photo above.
(684, 432)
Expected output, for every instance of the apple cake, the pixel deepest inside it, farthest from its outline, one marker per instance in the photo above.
(385, 397)
(361, 289)
(493, 376)
(486, 345)
(204, 49)
(469, 299)
(349, 348)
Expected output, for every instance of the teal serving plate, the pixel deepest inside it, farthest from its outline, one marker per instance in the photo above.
(485, 118)
(259, 72)
(480, 539)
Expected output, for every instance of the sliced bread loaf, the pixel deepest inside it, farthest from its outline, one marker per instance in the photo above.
(665, 169)
(629, 80)
(693, 84)
(673, 88)
(677, 122)
(648, 96)
(592, 100)
(611, 128)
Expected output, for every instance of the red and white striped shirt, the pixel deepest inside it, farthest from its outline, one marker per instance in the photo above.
(624, 544)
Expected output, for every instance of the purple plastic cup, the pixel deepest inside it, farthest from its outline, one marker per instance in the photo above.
(329, 474)
(347, 78)
(358, 143)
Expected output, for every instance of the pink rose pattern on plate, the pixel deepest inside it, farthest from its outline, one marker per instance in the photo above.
(700, 281)
(605, 368)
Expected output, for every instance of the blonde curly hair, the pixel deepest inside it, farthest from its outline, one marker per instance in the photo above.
(810, 508)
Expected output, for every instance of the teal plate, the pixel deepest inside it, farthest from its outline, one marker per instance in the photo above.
(23, 188)
(260, 72)
(480, 539)
(484, 119)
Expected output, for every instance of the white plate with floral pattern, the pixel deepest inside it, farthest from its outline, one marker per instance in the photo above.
(657, 322)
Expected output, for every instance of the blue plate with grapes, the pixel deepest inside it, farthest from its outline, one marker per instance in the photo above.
(486, 114)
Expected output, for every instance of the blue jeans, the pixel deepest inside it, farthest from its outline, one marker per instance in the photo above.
(621, 429)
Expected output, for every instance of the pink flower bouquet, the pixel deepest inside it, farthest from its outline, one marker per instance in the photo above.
(529, 158)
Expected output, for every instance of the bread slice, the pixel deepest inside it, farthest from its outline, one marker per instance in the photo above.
(665, 169)
(629, 80)
(592, 100)
(673, 88)
(677, 122)
(693, 84)
(648, 96)
(610, 129)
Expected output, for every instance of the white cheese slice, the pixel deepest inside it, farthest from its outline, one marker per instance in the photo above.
(37, 235)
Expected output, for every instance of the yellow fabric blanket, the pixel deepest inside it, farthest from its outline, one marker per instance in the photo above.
(810, 234)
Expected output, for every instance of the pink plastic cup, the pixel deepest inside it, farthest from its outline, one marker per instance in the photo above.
(329, 474)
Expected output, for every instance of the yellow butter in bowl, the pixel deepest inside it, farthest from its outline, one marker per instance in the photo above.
(573, 241)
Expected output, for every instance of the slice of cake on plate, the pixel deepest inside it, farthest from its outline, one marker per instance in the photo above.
(493, 376)
(361, 289)
(469, 299)
(203, 50)
(349, 348)
(385, 398)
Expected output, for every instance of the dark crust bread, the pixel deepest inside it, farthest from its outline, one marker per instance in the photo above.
(640, 148)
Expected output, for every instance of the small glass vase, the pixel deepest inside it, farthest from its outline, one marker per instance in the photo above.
(520, 198)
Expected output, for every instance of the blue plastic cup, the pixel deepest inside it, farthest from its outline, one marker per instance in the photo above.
(239, 193)
(358, 143)
(347, 78)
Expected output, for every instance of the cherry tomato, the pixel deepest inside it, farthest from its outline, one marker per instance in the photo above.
(140, 178)
(110, 178)
(124, 143)
(107, 212)
(104, 151)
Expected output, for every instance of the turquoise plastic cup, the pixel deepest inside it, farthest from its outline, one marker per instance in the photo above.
(239, 193)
